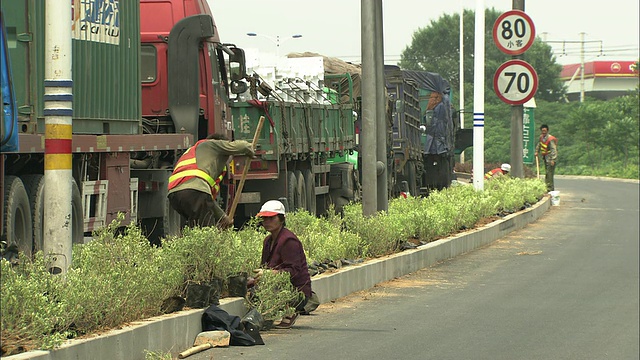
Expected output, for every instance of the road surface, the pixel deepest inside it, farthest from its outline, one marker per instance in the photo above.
(564, 287)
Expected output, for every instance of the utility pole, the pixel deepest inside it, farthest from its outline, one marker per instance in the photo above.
(58, 111)
(381, 122)
(461, 107)
(369, 108)
(582, 67)
(478, 98)
(517, 113)
(582, 43)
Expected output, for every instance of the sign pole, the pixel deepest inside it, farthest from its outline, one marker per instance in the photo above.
(517, 168)
(515, 82)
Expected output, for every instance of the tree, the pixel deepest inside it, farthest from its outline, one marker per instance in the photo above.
(435, 48)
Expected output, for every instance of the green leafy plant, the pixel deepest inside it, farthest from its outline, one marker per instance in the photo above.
(274, 296)
(118, 277)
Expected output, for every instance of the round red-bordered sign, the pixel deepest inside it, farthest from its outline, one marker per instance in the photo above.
(515, 82)
(514, 32)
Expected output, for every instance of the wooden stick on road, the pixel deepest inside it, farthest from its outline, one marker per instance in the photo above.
(236, 197)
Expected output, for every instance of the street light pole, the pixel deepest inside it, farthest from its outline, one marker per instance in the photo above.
(276, 40)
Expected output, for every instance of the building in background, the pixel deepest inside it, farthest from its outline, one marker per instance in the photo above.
(602, 79)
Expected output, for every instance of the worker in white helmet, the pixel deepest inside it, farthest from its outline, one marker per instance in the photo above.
(504, 169)
(282, 251)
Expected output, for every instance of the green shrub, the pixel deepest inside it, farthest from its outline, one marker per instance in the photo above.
(274, 296)
(118, 277)
(30, 308)
(322, 238)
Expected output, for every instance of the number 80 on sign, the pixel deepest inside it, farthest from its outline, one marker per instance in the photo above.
(515, 82)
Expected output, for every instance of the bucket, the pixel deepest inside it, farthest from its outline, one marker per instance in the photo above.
(555, 197)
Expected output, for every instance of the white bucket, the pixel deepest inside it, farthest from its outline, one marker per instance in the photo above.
(555, 197)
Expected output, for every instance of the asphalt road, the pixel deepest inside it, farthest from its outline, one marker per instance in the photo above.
(564, 287)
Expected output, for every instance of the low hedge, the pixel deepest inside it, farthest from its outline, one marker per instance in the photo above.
(118, 277)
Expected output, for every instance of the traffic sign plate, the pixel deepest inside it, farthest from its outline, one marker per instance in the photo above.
(515, 82)
(514, 32)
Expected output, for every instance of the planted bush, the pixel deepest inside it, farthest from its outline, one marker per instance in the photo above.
(323, 239)
(118, 277)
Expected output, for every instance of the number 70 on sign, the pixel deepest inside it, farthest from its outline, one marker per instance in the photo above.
(515, 82)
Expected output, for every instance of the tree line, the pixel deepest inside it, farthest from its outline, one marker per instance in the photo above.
(596, 137)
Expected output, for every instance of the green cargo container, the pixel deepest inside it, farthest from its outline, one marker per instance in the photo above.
(106, 75)
(299, 130)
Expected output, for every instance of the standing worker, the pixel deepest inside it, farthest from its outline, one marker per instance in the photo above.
(504, 169)
(195, 182)
(548, 149)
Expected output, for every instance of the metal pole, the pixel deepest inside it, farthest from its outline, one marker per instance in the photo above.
(517, 113)
(369, 178)
(461, 106)
(381, 134)
(582, 67)
(478, 99)
(58, 113)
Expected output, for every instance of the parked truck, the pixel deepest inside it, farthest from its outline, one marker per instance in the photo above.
(150, 78)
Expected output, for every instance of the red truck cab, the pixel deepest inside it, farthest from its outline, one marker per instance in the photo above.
(180, 47)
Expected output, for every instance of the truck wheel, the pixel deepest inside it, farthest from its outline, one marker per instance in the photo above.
(34, 184)
(17, 216)
(77, 215)
(172, 221)
(311, 191)
(412, 179)
(301, 191)
(291, 191)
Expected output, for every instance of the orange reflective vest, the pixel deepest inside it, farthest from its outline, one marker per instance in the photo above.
(187, 168)
(490, 174)
(544, 145)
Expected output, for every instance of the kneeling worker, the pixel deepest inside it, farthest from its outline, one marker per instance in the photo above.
(504, 169)
(282, 251)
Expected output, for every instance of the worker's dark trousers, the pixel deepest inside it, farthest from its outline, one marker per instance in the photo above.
(195, 206)
(548, 177)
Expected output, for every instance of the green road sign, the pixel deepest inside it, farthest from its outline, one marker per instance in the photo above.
(528, 136)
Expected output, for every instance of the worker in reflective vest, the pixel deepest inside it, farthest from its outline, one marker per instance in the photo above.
(547, 147)
(504, 169)
(195, 182)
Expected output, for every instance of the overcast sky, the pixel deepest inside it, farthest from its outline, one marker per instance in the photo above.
(332, 27)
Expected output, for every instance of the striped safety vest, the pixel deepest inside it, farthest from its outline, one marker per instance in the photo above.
(187, 168)
(490, 173)
(544, 145)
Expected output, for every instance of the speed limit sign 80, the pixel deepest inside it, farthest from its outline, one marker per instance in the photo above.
(515, 82)
(514, 32)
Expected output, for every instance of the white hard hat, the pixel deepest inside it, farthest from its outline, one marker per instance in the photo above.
(271, 208)
(505, 167)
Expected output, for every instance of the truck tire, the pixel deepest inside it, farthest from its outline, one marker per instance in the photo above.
(17, 222)
(291, 191)
(412, 179)
(301, 191)
(34, 184)
(172, 222)
(77, 215)
(311, 191)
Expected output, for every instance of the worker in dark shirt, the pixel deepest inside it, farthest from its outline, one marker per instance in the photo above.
(282, 251)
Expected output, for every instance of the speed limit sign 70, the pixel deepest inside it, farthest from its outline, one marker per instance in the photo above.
(515, 82)
(514, 32)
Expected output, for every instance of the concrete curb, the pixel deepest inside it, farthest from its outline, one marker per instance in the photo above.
(176, 332)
